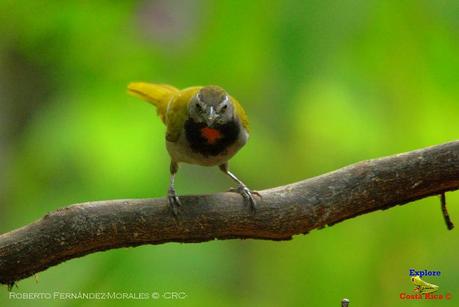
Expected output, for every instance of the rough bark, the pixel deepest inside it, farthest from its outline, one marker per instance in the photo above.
(282, 212)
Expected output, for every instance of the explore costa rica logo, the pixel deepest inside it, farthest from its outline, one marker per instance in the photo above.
(424, 290)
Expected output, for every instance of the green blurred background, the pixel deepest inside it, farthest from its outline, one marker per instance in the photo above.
(325, 84)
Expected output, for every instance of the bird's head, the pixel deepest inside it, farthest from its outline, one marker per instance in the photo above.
(211, 105)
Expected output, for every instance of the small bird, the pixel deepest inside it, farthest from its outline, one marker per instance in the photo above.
(205, 126)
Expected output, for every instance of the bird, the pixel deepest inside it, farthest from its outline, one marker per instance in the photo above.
(204, 126)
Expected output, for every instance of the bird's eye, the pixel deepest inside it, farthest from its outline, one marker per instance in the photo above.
(199, 108)
(224, 107)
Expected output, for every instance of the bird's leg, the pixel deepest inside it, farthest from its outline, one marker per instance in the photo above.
(174, 201)
(242, 188)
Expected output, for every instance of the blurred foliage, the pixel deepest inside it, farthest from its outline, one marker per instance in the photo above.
(325, 83)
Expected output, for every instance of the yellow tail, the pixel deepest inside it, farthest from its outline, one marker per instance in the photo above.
(157, 94)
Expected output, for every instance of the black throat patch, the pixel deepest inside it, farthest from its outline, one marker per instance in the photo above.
(196, 136)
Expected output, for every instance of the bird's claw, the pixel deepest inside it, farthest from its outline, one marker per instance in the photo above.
(247, 195)
(174, 202)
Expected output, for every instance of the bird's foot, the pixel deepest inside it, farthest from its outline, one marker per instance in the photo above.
(247, 195)
(174, 201)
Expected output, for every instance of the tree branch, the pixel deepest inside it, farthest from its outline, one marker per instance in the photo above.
(282, 212)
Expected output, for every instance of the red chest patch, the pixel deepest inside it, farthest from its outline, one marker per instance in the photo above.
(210, 134)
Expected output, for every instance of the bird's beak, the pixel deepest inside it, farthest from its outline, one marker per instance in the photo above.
(211, 116)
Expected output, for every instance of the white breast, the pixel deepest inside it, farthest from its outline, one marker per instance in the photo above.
(180, 151)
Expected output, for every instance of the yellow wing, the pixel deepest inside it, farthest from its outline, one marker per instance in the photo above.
(240, 112)
(158, 94)
(177, 112)
(171, 104)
